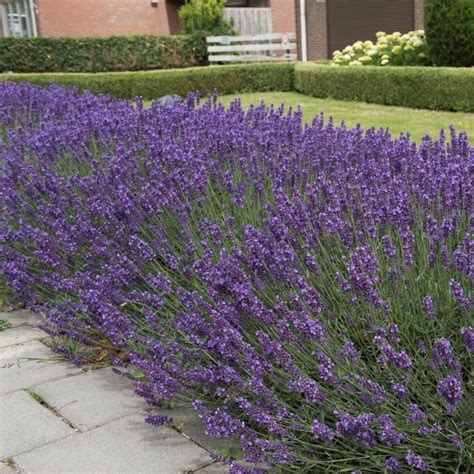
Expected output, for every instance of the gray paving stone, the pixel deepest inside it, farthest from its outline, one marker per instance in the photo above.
(21, 317)
(92, 398)
(123, 446)
(19, 335)
(25, 424)
(214, 468)
(4, 469)
(24, 351)
(30, 363)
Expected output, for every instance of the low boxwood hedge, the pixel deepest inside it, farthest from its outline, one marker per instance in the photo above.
(110, 53)
(416, 87)
(230, 79)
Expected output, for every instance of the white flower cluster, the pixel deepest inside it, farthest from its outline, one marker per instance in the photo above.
(394, 49)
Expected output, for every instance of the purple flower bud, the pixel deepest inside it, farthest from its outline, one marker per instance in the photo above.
(388, 248)
(424, 431)
(158, 420)
(456, 441)
(349, 352)
(458, 294)
(416, 461)
(392, 464)
(399, 390)
(467, 334)
(442, 352)
(415, 413)
(428, 306)
(451, 390)
(322, 432)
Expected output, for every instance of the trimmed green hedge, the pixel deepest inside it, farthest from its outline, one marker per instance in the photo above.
(111, 53)
(415, 87)
(152, 84)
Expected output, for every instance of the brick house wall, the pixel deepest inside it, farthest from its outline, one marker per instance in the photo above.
(418, 14)
(133, 17)
(317, 28)
(283, 15)
(106, 17)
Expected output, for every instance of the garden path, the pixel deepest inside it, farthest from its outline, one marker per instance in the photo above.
(58, 418)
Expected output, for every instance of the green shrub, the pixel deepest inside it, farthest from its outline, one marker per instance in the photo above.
(152, 84)
(204, 17)
(113, 53)
(449, 26)
(417, 87)
(394, 49)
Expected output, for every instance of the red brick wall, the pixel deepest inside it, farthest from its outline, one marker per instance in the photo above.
(106, 17)
(316, 27)
(418, 14)
(283, 16)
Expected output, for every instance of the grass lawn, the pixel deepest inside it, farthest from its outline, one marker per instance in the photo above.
(398, 119)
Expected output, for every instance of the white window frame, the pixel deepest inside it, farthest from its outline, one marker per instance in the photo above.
(19, 18)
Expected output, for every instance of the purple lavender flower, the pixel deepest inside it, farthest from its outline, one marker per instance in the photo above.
(424, 431)
(322, 432)
(241, 260)
(392, 464)
(158, 420)
(356, 428)
(442, 352)
(416, 461)
(389, 249)
(467, 334)
(450, 389)
(309, 388)
(416, 414)
(456, 441)
(458, 294)
(428, 306)
(349, 352)
(399, 390)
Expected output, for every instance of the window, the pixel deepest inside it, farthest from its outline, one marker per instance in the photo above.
(18, 18)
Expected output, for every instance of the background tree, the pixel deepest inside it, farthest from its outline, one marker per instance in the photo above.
(449, 27)
(204, 17)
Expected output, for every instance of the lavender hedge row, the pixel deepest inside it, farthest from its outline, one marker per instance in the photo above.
(307, 289)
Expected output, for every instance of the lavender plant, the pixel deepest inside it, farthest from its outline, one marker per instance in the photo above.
(306, 288)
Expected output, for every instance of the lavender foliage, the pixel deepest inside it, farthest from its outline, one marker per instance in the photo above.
(306, 288)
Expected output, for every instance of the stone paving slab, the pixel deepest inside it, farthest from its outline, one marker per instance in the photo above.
(4, 469)
(127, 445)
(19, 335)
(30, 363)
(24, 351)
(25, 424)
(214, 468)
(92, 398)
(21, 317)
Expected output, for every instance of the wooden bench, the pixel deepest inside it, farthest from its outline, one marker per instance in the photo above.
(265, 47)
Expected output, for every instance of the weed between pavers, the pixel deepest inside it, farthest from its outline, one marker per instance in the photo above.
(4, 324)
(9, 462)
(38, 398)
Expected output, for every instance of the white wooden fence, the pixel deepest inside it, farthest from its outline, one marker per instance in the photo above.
(264, 47)
(250, 21)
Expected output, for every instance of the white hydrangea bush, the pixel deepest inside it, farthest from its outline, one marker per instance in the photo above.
(392, 49)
